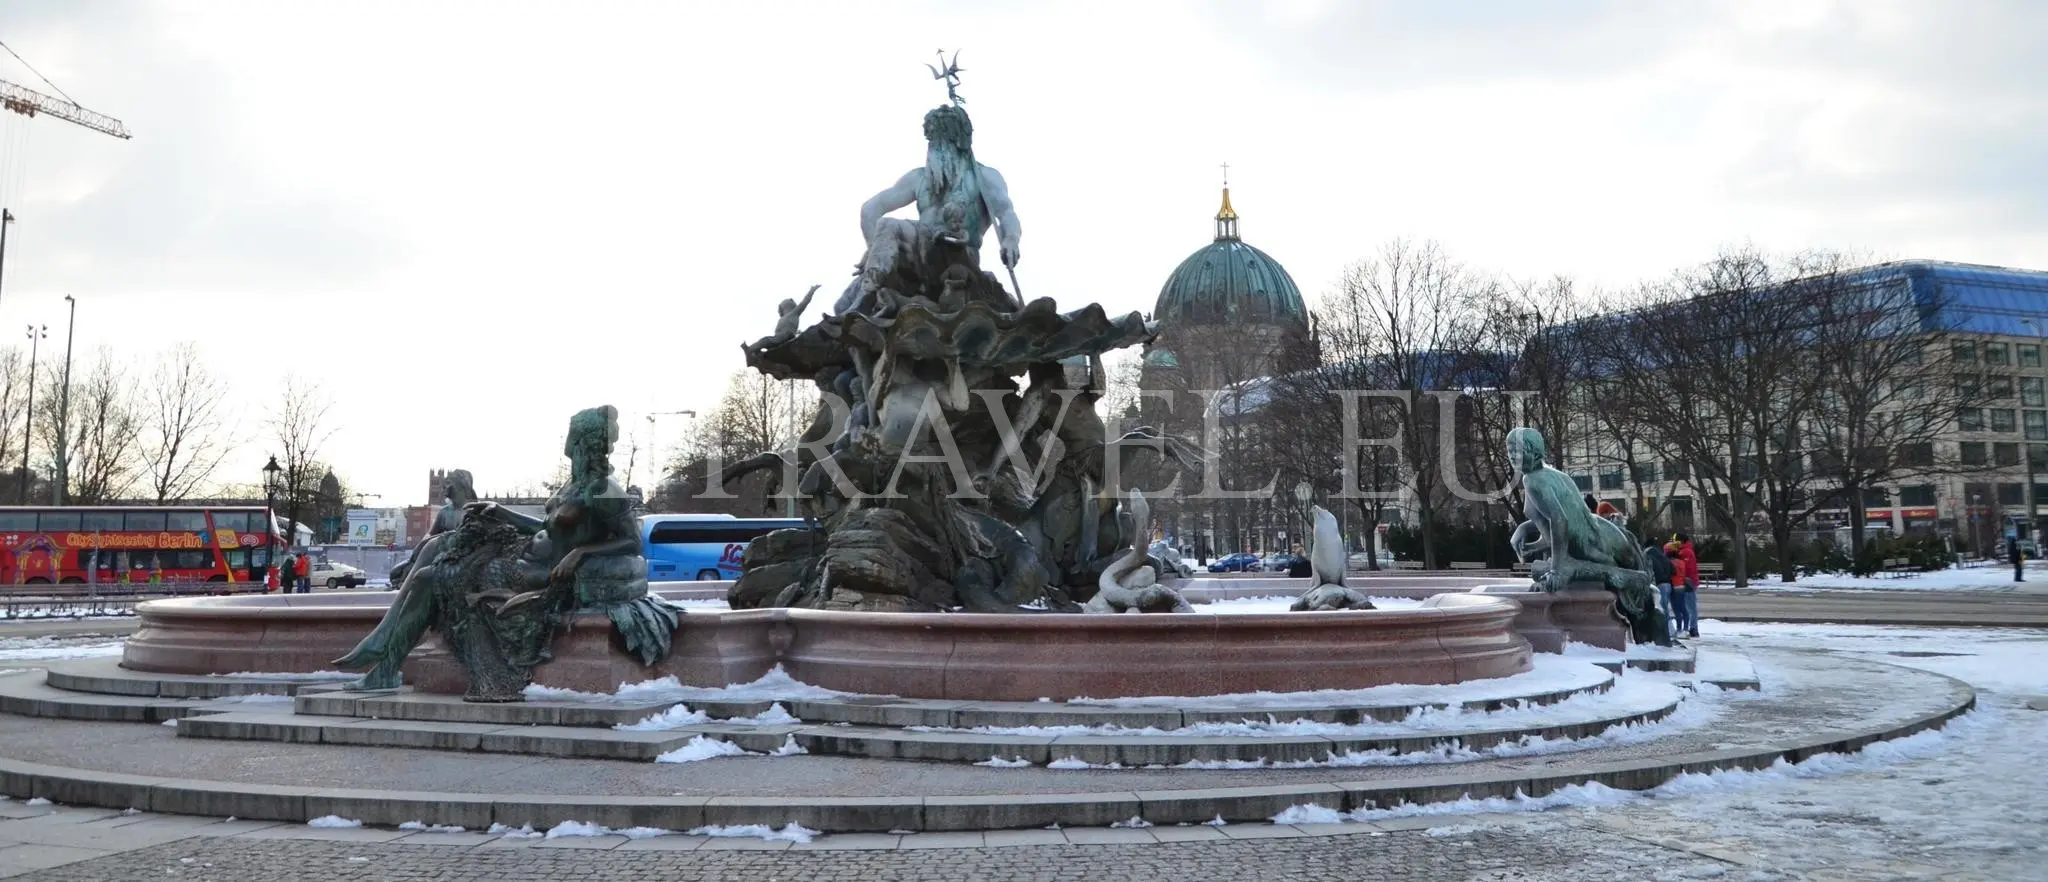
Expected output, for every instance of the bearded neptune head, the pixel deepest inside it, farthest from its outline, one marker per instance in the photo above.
(950, 127)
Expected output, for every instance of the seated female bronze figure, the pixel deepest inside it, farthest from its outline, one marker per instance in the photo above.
(498, 585)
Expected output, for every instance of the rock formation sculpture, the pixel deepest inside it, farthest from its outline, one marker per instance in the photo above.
(499, 584)
(1326, 561)
(1583, 550)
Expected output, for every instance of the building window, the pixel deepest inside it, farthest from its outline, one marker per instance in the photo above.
(2004, 420)
(1969, 386)
(2030, 391)
(1964, 352)
(1585, 483)
(2030, 355)
(1681, 511)
(2005, 453)
(1610, 480)
(2037, 425)
(1876, 497)
(1970, 419)
(1918, 495)
(1677, 471)
(1908, 389)
(1644, 472)
(1974, 454)
(1999, 387)
(2010, 494)
(1917, 454)
(1995, 354)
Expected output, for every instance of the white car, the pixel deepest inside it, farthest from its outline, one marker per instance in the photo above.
(335, 574)
(1359, 561)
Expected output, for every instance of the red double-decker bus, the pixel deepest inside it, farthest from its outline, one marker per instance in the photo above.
(40, 545)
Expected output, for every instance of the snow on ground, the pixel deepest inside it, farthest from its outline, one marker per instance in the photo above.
(776, 685)
(1631, 695)
(1971, 578)
(52, 648)
(70, 611)
(1966, 798)
(1549, 673)
(1279, 604)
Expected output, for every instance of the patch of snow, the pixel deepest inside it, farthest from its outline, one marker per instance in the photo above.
(1548, 673)
(789, 748)
(173, 723)
(701, 748)
(1629, 696)
(51, 648)
(334, 822)
(253, 698)
(1068, 762)
(523, 831)
(38, 801)
(294, 676)
(674, 718)
(1217, 822)
(1308, 813)
(775, 715)
(1133, 823)
(1973, 578)
(996, 762)
(776, 685)
(423, 827)
(791, 832)
(576, 828)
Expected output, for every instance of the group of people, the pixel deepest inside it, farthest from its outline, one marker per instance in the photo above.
(1674, 568)
(295, 573)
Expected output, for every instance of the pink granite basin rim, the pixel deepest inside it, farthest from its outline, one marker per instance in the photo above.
(990, 657)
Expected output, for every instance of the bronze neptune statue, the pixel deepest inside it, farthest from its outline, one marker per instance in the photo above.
(499, 584)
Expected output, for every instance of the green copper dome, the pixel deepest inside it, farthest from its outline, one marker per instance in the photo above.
(1229, 282)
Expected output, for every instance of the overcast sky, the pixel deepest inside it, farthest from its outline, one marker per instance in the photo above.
(467, 220)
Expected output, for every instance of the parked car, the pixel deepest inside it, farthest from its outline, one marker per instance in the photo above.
(335, 574)
(1281, 563)
(1241, 562)
(1359, 560)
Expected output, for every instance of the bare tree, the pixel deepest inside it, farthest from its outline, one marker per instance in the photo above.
(1410, 310)
(184, 433)
(1713, 367)
(13, 409)
(298, 425)
(104, 454)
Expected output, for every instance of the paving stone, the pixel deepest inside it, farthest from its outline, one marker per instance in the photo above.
(1028, 811)
(744, 843)
(594, 843)
(1109, 836)
(1014, 838)
(1190, 833)
(456, 840)
(1260, 831)
(20, 859)
(666, 843)
(852, 842)
(325, 834)
(970, 839)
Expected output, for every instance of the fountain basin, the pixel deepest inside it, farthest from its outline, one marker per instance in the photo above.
(1450, 638)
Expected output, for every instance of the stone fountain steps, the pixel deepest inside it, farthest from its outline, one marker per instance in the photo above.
(907, 713)
(1104, 749)
(23, 695)
(560, 741)
(105, 676)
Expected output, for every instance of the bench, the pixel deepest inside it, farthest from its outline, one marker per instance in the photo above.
(1710, 572)
(1467, 565)
(1407, 564)
(1518, 567)
(1898, 567)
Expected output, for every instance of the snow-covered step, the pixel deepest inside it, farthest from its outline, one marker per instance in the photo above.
(105, 676)
(562, 741)
(26, 695)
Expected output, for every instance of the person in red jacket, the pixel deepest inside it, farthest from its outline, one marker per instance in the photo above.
(1685, 598)
(304, 575)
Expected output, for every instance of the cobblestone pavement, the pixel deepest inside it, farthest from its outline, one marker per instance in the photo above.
(1447, 856)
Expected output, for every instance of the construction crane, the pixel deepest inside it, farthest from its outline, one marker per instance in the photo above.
(29, 102)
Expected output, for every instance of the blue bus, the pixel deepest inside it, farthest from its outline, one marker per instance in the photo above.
(701, 547)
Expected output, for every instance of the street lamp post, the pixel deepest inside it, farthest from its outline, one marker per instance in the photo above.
(64, 411)
(35, 338)
(1302, 494)
(270, 470)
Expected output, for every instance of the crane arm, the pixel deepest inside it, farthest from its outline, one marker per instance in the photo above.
(29, 102)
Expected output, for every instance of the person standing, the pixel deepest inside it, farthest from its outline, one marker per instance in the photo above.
(287, 573)
(304, 574)
(1685, 595)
